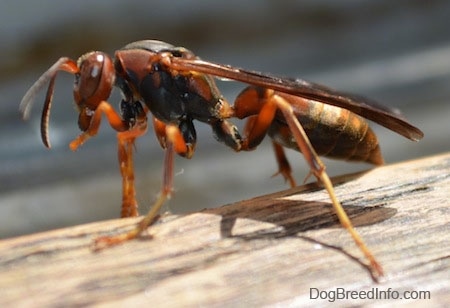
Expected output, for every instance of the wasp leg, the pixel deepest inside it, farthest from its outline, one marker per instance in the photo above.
(255, 105)
(113, 117)
(126, 138)
(318, 169)
(261, 105)
(172, 135)
(125, 142)
(183, 137)
(284, 168)
(159, 128)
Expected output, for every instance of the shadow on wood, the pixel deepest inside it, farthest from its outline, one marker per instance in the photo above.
(268, 250)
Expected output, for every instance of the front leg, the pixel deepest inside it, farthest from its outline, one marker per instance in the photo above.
(125, 141)
(92, 119)
(125, 138)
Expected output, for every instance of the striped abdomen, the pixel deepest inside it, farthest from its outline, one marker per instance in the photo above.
(334, 132)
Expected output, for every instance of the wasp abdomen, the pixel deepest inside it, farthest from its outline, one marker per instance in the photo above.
(334, 132)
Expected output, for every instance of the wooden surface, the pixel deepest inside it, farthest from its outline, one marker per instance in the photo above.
(269, 250)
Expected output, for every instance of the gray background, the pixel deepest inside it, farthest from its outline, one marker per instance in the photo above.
(395, 52)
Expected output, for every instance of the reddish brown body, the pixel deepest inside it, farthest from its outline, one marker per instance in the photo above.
(177, 88)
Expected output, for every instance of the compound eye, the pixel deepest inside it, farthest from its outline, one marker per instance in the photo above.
(181, 52)
(88, 78)
(95, 79)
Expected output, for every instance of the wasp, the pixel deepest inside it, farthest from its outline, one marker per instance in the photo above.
(176, 87)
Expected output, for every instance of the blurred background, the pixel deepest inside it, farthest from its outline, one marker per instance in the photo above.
(395, 52)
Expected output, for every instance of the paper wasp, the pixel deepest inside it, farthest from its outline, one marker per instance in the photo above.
(177, 87)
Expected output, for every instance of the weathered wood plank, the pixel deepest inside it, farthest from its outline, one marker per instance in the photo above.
(268, 250)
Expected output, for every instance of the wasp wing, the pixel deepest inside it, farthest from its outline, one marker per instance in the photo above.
(385, 116)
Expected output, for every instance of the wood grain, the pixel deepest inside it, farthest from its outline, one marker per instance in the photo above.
(269, 250)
